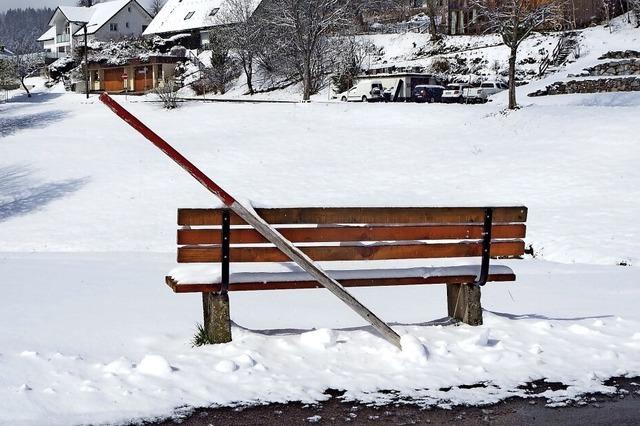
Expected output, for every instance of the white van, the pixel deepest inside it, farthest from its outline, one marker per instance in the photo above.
(364, 91)
(482, 93)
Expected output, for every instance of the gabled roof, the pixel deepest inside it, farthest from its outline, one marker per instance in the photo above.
(72, 13)
(186, 15)
(103, 12)
(95, 16)
(50, 34)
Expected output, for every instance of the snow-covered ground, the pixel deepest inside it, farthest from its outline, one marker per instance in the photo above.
(87, 232)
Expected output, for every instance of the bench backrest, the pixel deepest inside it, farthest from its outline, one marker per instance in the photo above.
(354, 233)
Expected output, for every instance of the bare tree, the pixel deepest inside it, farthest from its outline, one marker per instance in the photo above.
(515, 20)
(301, 29)
(433, 9)
(244, 34)
(634, 7)
(351, 55)
(156, 6)
(363, 9)
(168, 93)
(24, 64)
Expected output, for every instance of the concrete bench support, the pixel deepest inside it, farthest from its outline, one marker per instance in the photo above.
(463, 301)
(217, 320)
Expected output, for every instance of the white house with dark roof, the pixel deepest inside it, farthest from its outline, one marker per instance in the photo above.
(112, 20)
(193, 17)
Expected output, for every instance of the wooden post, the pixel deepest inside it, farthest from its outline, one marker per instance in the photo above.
(463, 301)
(217, 321)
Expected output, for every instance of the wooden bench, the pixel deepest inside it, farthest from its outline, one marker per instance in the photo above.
(212, 239)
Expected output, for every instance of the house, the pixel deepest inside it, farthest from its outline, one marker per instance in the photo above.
(133, 75)
(111, 20)
(193, 20)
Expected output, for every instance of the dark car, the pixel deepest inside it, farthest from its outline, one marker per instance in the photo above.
(427, 93)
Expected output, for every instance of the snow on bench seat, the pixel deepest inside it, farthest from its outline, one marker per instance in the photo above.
(185, 275)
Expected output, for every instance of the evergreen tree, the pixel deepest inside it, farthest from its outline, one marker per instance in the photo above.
(22, 27)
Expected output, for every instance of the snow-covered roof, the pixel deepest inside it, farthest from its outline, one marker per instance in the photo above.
(50, 34)
(73, 13)
(186, 15)
(96, 16)
(102, 12)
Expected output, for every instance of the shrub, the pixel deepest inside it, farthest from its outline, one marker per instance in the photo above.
(440, 65)
(168, 93)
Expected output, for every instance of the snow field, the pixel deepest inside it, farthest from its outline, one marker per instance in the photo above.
(551, 158)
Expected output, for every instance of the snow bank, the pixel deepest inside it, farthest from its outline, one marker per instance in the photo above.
(109, 342)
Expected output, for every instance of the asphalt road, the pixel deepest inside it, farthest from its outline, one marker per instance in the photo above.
(621, 408)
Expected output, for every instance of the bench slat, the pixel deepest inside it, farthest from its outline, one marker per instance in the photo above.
(286, 285)
(196, 254)
(365, 215)
(354, 233)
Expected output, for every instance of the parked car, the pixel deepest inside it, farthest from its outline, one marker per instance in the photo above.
(365, 91)
(427, 93)
(453, 92)
(482, 93)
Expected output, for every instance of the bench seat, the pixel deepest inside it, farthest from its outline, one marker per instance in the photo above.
(206, 277)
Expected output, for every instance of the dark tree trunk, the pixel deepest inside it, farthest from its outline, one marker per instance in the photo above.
(434, 30)
(306, 79)
(512, 78)
(432, 12)
(25, 87)
(360, 24)
(248, 71)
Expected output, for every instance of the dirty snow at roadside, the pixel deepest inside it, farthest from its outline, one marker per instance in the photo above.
(87, 232)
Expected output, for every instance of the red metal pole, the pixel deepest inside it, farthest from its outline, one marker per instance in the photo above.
(164, 146)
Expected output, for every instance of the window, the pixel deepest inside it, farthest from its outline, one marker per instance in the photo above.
(214, 11)
(113, 26)
(487, 85)
(189, 15)
(126, 24)
(129, 9)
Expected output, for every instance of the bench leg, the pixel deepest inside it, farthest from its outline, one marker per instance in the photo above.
(463, 301)
(217, 322)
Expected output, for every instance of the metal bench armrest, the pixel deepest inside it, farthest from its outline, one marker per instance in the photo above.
(486, 248)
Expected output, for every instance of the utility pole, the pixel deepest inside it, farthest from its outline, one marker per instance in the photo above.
(86, 64)
(85, 55)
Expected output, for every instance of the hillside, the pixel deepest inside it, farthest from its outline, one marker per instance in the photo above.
(20, 28)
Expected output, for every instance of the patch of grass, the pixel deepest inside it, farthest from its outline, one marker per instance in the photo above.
(200, 338)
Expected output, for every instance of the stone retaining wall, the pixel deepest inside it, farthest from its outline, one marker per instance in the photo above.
(604, 85)
(619, 54)
(617, 68)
